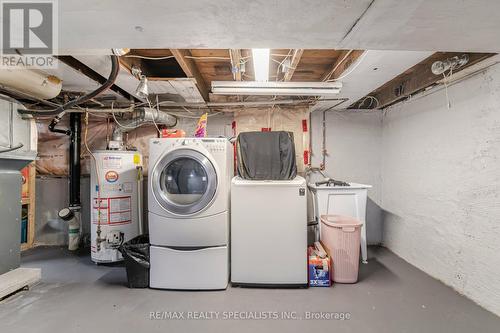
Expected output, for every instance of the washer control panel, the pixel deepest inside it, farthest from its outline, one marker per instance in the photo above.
(211, 144)
(214, 144)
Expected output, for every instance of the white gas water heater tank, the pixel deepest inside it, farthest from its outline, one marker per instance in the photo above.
(116, 204)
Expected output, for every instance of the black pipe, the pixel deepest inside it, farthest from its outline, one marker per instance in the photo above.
(74, 160)
(59, 112)
(53, 129)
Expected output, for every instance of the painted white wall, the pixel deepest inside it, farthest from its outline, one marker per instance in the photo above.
(436, 176)
(441, 185)
(353, 142)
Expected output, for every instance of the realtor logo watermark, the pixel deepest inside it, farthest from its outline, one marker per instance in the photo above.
(29, 33)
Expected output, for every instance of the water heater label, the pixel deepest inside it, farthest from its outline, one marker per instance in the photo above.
(111, 176)
(114, 210)
(112, 162)
(119, 204)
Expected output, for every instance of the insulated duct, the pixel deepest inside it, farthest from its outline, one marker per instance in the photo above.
(141, 116)
(31, 82)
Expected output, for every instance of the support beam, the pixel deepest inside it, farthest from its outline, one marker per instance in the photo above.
(345, 59)
(93, 75)
(189, 67)
(297, 54)
(235, 55)
(413, 80)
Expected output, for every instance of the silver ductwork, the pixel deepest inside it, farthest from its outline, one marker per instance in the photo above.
(140, 117)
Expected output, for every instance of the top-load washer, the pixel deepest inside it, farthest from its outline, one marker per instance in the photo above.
(188, 212)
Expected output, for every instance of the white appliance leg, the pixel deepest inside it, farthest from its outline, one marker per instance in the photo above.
(364, 248)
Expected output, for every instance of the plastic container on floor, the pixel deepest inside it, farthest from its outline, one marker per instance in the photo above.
(343, 200)
(135, 253)
(341, 236)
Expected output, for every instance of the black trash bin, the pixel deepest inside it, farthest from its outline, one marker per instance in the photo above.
(135, 253)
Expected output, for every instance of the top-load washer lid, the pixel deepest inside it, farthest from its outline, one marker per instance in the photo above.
(184, 181)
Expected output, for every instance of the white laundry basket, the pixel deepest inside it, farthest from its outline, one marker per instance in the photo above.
(341, 236)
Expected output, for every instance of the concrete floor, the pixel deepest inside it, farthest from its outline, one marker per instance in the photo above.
(392, 296)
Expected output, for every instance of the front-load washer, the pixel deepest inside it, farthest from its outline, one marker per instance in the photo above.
(188, 212)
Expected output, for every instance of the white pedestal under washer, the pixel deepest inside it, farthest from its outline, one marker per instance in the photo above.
(188, 212)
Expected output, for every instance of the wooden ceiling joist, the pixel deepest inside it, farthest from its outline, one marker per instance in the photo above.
(297, 54)
(343, 62)
(235, 55)
(413, 81)
(189, 67)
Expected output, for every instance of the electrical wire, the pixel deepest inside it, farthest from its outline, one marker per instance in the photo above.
(360, 60)
(371, 98)
(281, 64)
(207, 58)
(107, 130)
(98, 115)
(157, 110)
(337, 66)
(96, 165)
(445, 82)
(422, 94)
(9, 149)
(448, 104)
(276, 61)
(180, 115)
(148, 58)
(247, 75)
(279, 55)
(104, 110)
(121, 125)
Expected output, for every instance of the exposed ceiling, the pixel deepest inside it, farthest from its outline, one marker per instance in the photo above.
(185, 75)
(375, 69)
(202, 41)
(423, 25)
(414, 80)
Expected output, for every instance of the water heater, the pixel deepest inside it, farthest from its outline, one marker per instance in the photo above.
(116, 207)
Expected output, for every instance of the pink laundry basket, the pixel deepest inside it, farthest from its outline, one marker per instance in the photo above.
(341, 236)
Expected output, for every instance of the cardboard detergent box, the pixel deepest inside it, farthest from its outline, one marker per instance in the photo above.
(319, 269)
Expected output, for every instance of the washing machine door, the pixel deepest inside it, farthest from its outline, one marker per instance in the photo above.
(184, 181)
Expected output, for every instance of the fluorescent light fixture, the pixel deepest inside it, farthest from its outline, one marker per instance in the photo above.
(276, 88)
(260, 59)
